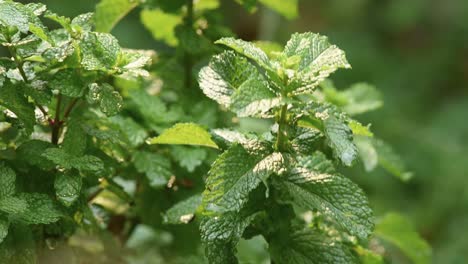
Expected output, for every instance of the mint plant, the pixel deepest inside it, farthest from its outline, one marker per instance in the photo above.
(52, 82)
(284, 185)
(93, 169)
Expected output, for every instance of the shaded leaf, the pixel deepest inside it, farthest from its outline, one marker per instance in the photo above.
(110, 12)
(183, 212)
(185, 134)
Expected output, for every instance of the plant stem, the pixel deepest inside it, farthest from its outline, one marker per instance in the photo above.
(56, 123)
(188, 60)
(70, 108)
(282, 137)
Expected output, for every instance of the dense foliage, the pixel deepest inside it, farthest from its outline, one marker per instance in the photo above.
(106, 148)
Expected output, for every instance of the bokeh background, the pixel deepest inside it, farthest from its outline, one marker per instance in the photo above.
(416, 53)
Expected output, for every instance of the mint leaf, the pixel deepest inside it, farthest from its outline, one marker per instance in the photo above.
(221, 233)
(161, 25)
(7, 181)
(309, 246)
(110, 102)
(225, 73)
(75, 139)
(184, 211)
(313, 184)
(110, 12)
(156, 167)
(13, 205)
(17, 15)
(390, 161)
(14, 100)
(4, 225)
(340, 139)
(234, 175)
(67, 187)
(185, 134)
(99, 51)
(249, 50)
(189, 157)
(399, 231)
(41, 209)
(65, 160)
(31, 152)
(367, 152)
(69, 82)
(317, 60)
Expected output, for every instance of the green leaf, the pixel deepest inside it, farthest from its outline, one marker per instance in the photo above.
(69, 82)
(234, 175)
(13, 100)
(85, 21)
(249, 50)
(287, 8)
(134, 132)
(318, 59)
(185, 134)
(369, 257)
(31, 152)
(235, 83)
(254, 98)
(75, 139)
(156, 167)
(184, 211)
(399, 231)
(110, 12)
(188, 157)
(390, 161)
(161, 25)
(67, 187)
(99, 51)
(359, 129)
(41, 209)
(152, 109)
(309, 246)
(340, 139)
(221, 233)
(367, 152)
(4, 225)
(19, 247)
(17, 15)
(359, 98)
(65, 160)
(7, 181)
(109, 100)
(13, 205)
(313, 184)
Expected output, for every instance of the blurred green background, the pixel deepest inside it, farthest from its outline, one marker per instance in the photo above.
(416, 53)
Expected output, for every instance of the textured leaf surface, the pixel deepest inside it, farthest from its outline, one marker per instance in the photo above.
(109, 100)
(340, 139)
(68, 82)
(234, 175)
(318, 59)
(31, 152)
(17, 15)
(65, 160)
(184, 211)
(67, 187)
(399, 231)
(41, 209)
(110, 12)
(100, 51)
(249, 50)
(220, 234)
(13, 205)
(185, 134)
(225, 73)
(7, 181)
(4, 225)
(309, 246)
(13, 99)
(313, 184)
